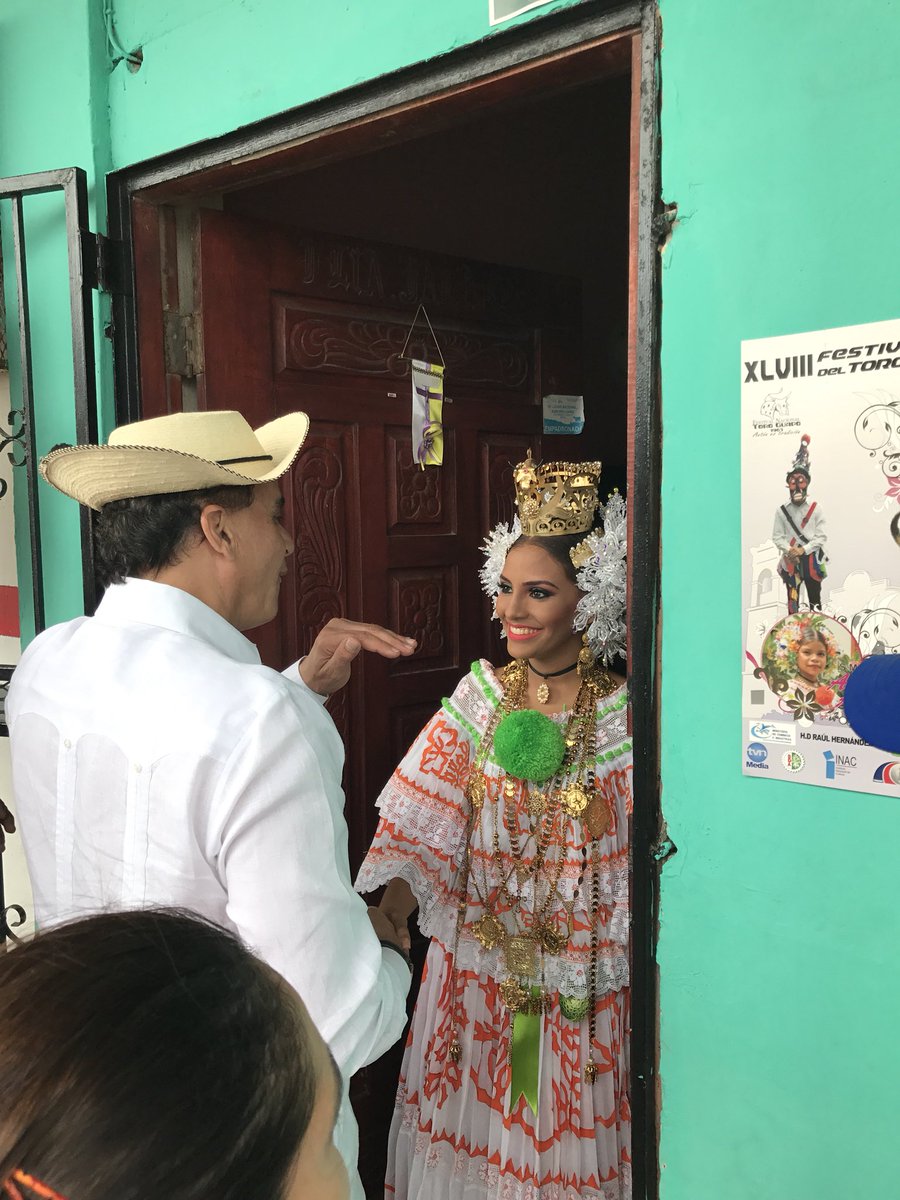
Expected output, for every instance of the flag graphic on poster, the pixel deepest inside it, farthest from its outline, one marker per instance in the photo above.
(820, 485)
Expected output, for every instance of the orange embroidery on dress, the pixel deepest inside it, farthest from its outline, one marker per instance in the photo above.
(445, 755)
(31, 1184)
(613, 787)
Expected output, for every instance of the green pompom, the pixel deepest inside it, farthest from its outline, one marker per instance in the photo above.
(528, 745)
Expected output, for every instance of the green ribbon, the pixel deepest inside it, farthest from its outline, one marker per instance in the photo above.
(525, 1057)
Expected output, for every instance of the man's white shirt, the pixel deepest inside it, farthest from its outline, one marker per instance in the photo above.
(156, 761)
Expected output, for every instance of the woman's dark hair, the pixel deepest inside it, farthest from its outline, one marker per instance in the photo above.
(148, 1054)
(143, 534)
(557, 547)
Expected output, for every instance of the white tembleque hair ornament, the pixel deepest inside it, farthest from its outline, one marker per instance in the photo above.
(495, 547)
(602, 577)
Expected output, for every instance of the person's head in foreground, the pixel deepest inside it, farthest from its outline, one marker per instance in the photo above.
(149, 1054)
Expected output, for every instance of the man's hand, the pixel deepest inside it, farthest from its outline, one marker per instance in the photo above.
(7, 825)
(795, 551)
(327, 666)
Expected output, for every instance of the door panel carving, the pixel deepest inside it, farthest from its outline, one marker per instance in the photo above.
(418, 501)
(320, 549)
(499, 455)
(346, 270)
(361, 341)
(423, 605)
(319, 542)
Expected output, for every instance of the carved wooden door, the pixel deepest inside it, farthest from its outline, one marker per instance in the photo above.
(318, 322)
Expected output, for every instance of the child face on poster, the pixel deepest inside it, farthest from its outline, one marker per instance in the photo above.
(812, 659)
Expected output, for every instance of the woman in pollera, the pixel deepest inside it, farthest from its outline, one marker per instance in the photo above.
(507, 823)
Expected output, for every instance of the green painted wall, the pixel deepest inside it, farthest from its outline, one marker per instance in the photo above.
(779, 914)
(210, 66)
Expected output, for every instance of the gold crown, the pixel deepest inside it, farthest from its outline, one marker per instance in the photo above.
(557, 497)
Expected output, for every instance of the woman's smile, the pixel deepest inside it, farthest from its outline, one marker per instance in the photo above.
(521, 633)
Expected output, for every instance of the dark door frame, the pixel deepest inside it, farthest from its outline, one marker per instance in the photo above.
(266, 146)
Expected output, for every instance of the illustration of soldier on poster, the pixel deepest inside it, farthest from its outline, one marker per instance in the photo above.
(820, 485)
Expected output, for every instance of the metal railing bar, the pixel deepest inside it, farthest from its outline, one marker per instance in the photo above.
(27, 439)
(83, 359)
(37, 184)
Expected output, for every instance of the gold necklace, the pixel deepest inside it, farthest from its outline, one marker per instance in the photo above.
(575, 800)
(543, 688)
(522, 947)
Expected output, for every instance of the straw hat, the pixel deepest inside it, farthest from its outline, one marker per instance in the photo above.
(178, 453)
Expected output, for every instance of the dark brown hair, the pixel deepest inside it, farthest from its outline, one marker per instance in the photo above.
(557, 546)
(142, 534)
(147, 1055)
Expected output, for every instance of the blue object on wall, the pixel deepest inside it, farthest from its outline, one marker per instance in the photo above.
(872, 701)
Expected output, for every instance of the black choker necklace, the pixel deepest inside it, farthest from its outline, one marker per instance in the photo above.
(543, 691)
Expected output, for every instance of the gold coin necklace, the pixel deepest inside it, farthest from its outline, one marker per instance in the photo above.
(524, 949)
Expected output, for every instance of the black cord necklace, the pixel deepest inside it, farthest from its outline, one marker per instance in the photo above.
(543, 690)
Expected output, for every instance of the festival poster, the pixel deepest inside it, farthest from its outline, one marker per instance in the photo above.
(820, 487)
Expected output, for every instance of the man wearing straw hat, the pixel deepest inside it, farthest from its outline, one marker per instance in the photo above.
(156, 761)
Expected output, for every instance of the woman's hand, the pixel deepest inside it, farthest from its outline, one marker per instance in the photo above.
(384, 927)
(397, 903)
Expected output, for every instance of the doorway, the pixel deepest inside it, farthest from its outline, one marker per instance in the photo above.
(511, 206)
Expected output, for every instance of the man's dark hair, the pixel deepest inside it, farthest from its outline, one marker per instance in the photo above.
(149, 1054)
(143, 534)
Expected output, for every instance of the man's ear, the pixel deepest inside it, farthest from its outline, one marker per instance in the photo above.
(215, 526)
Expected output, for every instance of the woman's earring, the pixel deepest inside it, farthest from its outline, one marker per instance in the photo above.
(586, 662)
(591, 673)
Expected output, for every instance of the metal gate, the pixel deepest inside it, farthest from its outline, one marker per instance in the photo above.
(88, 260)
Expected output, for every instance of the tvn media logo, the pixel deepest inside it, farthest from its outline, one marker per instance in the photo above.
(888, 772)
(756, 756)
